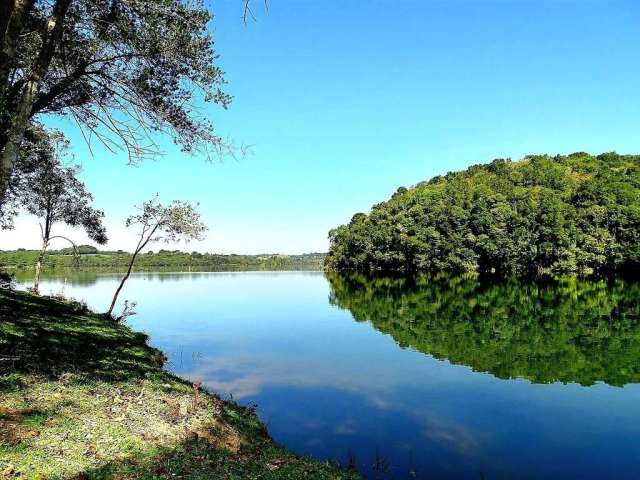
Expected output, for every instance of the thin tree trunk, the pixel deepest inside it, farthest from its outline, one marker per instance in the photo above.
(6, 10)
(36, 281)
(12, 22)
(22, 113)
(46, 238)
(141, 244)
(124, 279)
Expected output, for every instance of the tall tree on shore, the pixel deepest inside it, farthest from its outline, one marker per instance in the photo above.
(124, 70)
(172, 223)
(52, 192)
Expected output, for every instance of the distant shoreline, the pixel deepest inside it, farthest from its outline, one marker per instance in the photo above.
(90, 258)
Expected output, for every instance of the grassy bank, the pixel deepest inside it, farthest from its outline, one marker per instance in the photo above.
(84, 398)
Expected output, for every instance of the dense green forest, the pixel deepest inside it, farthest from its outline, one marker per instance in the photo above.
(538, 216)
(567, 331)
(89, 257)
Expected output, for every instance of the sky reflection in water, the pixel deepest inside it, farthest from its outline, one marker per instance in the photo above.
(332, 387)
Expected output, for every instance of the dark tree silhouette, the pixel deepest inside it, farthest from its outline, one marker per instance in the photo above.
(52, 192)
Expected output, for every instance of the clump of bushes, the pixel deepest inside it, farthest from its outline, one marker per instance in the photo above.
(7, 280)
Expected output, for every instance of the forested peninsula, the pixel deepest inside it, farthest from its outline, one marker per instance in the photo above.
(542, 215)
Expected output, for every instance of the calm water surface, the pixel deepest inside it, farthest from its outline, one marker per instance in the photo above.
(409, 379)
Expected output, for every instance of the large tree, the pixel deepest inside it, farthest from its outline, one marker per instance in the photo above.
(51, 191)
(124, 70)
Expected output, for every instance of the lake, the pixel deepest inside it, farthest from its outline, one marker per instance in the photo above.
(408, 378)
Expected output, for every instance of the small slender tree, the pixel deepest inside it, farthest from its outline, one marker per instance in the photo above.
(52, 192)
(170, 223)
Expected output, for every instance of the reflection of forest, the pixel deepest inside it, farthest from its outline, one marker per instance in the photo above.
(567, 331)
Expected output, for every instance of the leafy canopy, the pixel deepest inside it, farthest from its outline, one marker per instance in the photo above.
(539, 216)
(171, 223)
(51, 190)
(122, 69)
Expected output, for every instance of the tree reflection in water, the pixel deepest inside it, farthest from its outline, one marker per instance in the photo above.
(569, 330)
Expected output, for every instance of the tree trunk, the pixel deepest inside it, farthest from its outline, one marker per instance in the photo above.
(6, 10)
(46, 238)
(36, 281)
(124, 279)
(43, 251)
(21, 114)
(142, 243)
(12, 17)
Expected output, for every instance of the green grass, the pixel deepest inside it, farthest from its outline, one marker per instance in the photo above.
(82, 397)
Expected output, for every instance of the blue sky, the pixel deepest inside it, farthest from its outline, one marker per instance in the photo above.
(347, 100)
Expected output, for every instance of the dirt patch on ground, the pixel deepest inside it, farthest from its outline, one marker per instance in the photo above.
(220, 435)
(14, 428)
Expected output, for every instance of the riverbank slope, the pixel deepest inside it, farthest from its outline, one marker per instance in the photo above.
(82, 397)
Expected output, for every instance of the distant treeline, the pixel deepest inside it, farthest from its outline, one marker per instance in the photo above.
(89, 257)
(538, 216)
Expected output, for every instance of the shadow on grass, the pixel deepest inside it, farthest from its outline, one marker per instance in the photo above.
(49, 337)
(195, 459)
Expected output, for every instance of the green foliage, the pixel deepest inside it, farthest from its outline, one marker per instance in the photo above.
(170, 223)
(570, 330)
(51, 191)
(539, 216)
(108, 62)
(80, 250)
